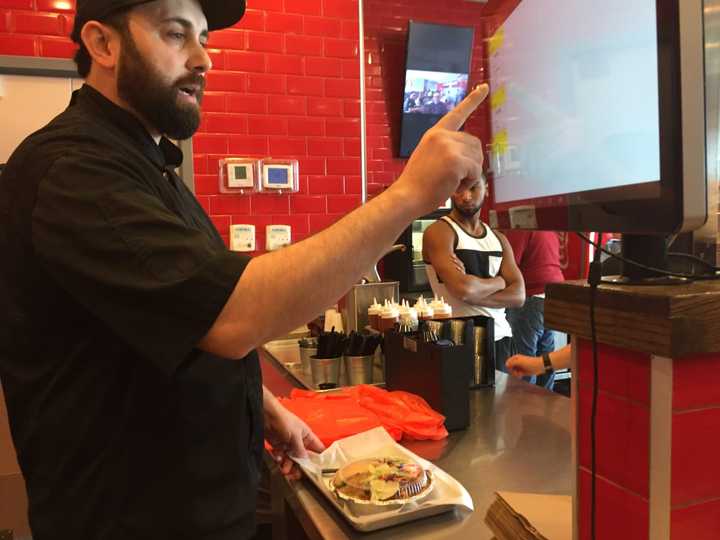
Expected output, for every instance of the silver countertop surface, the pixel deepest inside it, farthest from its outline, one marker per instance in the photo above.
(519, 440)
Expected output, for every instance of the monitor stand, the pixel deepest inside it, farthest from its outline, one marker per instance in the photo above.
(648, 250)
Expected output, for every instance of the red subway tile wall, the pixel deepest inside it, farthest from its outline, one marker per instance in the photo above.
(386, 27)
(36, 27)
(695, 447)
(282, 90)
(622, 440)
(693, 388)
(621, 514)
(623, 373)
(696, 522)
(285, 83)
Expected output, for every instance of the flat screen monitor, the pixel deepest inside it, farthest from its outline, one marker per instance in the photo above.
(597, 116)
(436, 77)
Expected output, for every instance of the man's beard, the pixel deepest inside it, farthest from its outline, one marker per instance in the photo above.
(467, 212)
(142, 87)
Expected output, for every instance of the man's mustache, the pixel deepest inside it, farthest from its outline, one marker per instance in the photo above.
(193, 80)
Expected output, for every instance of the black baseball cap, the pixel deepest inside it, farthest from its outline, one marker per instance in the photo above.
(219, 13)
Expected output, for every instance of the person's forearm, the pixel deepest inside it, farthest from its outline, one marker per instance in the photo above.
(561, 358)
(493, 292)
(281, 290)
(472, 289)
(512, 296)
(270, 402)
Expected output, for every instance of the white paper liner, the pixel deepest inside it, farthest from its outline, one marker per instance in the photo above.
(446, 495)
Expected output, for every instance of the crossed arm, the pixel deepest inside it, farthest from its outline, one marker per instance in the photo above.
(507, 289)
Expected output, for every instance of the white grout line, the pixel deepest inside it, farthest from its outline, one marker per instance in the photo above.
(574, 433)
(660, 459)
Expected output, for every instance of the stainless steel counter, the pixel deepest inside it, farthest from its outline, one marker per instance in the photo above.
(519, 440)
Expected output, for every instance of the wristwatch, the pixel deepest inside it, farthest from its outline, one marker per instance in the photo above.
(547, 363)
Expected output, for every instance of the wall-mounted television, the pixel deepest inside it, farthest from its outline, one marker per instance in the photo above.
(436, 77)
(598, 123)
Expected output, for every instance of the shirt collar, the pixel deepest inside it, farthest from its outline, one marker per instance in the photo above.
(163, 155)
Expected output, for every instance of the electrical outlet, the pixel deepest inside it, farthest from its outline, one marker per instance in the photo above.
(277, 236)
(242, 237)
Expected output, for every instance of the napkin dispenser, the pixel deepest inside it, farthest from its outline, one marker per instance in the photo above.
(439, 373)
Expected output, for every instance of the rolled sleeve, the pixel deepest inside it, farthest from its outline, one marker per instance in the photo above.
(107, 237)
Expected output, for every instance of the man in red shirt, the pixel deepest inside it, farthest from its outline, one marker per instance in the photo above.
(537, 254)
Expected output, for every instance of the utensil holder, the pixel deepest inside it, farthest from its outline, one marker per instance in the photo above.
(305, 354)
(359, 369)
(438, 373)
(325, 371)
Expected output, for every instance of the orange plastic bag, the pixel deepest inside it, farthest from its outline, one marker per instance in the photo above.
(337, 418)
(405, 411)
(349, 411)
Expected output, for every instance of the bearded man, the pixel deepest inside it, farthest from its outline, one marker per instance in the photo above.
(128, 329)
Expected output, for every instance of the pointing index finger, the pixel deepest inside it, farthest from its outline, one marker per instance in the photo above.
(454, 119)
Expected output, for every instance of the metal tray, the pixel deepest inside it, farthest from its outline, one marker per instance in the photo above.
(286, 355)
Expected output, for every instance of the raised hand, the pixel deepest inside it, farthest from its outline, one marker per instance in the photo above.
(445, 158)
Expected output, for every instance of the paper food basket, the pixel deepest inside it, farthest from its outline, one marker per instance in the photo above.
(447, 493)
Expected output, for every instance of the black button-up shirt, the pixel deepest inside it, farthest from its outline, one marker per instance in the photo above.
(111, 274)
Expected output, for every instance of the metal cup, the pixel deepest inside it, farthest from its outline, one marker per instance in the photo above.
(479, 368)
(325, 371)
(457, 331)
(359, 369)
(305, 354)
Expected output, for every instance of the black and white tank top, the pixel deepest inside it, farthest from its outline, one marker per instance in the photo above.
(482, 257)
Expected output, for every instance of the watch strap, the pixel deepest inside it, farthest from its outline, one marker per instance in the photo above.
(547, 363)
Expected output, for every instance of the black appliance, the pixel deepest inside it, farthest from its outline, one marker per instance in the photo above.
(408, 266)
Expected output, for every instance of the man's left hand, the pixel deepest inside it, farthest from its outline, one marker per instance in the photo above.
(289, 435)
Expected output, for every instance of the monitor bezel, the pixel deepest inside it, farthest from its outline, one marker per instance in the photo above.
(405, 150)
(636, 209)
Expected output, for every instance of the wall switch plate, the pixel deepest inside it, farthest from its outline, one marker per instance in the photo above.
(242, 237)
(240, 175)
(277, 236)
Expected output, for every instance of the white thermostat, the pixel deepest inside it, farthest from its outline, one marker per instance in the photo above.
(242, 237)
(279, 175)
(238, 175)
(277, 236)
